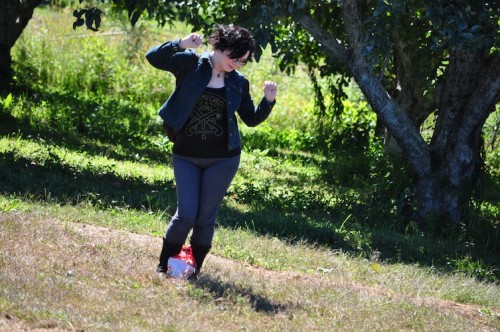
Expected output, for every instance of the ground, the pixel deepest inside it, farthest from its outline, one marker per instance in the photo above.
(75, 258)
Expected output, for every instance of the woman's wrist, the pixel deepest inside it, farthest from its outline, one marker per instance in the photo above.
(270, 102)
(179, 44)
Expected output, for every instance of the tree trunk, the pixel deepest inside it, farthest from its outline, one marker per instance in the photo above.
(445, 170)
(467, 94)
(444, 195)
(14, 16)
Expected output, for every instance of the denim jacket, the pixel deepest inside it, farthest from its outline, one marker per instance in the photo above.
(193, 73)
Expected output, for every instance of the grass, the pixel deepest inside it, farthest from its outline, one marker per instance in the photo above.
(58, 273)
(305, 239)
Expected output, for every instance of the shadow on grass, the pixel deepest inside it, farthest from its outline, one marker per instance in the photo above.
(63, 184)
(258, 303)
(93, 126)
(356, 239)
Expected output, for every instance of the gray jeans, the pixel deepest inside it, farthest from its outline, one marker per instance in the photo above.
(201, 185)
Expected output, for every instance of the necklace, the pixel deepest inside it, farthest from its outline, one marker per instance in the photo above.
(219, 73)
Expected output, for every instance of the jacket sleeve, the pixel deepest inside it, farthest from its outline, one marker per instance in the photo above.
(170, 57)
(250, 115)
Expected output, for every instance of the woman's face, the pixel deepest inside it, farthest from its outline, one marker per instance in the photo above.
(228, 64)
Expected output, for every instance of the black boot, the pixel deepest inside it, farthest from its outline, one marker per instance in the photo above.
(168, 250)
(199, 254)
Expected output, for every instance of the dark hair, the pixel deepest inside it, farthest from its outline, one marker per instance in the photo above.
(237, 40)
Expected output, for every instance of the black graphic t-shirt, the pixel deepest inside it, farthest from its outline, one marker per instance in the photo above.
(204, 134)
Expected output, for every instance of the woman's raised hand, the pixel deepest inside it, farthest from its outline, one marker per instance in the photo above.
(193, 40)
(270, 90)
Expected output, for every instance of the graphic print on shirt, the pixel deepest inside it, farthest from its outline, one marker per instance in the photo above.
(206, 117)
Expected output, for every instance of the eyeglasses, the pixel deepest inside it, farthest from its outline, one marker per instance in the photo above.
(238, 62)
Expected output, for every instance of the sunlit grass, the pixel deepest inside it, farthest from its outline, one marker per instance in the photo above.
(38, 152)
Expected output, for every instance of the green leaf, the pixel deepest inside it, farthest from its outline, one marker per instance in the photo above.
(376, 267)
(485, 311)
(89, 19)
(135, 17)
(7, 101)
(467, 35)
(380, 10)
(79, 22)
(475, 28)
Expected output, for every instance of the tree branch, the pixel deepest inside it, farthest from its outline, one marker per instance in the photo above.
(395, 119)
(323, 37)
(353, 26)
(484, 97)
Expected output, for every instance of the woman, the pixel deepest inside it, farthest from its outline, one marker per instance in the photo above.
(199, 117)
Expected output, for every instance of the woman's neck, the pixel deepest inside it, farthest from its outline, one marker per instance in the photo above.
(217, 80)
(214, 61)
